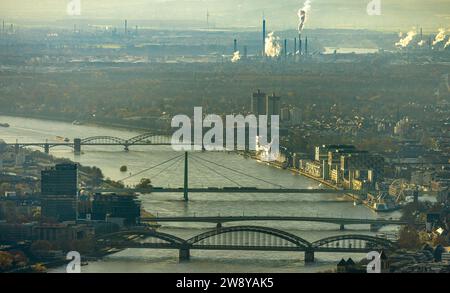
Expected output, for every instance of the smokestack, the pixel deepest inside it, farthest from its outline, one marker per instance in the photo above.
(136, 30)
(3, 27)
(300, 46)
(264, 38)
(421, 34)
(235, 45)
(126, 27)
(285, 48)
(295, 46)
(306, 46)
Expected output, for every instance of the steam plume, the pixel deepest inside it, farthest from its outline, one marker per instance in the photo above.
(302, 12)
(236, 57)
(273, 47)
(439, 37)
(447, 44)
(421, 43)
(404, 42)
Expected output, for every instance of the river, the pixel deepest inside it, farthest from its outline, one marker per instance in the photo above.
(109, 159)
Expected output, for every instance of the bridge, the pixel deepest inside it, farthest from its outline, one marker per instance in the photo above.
(213, 167)
(244, 238)
(375, 224)
(146, 139)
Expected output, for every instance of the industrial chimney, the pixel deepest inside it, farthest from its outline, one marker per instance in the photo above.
(264, 38)
(295, 46)
(306, 46)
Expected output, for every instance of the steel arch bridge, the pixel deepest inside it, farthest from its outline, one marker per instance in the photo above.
(139, 239)
(149, 138)
(248, 238)
(352, 243)
(242, 238)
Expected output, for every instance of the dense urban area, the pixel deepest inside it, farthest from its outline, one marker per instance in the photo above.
(375, 124)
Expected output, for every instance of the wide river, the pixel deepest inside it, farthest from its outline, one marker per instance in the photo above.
(202, 174)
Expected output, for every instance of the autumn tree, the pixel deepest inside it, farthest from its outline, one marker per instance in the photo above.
(409, 238)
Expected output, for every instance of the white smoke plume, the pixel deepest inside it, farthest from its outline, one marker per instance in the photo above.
(439, 37)
(302, 15)
(447, 44)
(421, 43)
(404, 42)
(236, 57)
(273, 47)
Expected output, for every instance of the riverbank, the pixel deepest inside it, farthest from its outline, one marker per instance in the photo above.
(352, 197)
(110, 125)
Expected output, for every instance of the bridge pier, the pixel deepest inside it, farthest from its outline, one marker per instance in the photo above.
(16, 148)
(342, 227)
(77, 146)
(219, 226)
(126, 148)
(309, 256)
(375, 227)
(46, 148)
(184, 254)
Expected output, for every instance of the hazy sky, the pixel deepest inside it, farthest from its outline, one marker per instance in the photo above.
(280, 14)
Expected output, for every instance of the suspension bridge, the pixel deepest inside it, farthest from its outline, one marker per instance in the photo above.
(214, 167)
(244, 238)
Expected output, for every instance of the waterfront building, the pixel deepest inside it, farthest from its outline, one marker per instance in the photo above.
(358, 165)
(321, 152)
(57, 233)
(59, 208)
(61, 180)
(59, 188)
(126, 206)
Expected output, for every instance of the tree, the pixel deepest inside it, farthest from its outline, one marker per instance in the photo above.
(40, 245)
(409, 238)
(6, 260)
(144, 183)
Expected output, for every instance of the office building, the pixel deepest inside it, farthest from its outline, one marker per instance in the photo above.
(126, 207)
(273, 105)
(258, 106)
(59, 188)
(58, 208)
(321, 152)
(62, 180)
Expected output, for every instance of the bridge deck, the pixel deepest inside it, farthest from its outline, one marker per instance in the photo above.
(226, 219)
(226, 190)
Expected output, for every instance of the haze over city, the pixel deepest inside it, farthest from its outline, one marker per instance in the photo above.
(241, 136)
(245, 14)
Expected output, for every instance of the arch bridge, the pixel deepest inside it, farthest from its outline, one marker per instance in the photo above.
(243, 238)
(146, 139)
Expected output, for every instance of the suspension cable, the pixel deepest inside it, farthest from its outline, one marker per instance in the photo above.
(148, 169)
(215, 171)
(241, 173)
(168, 167)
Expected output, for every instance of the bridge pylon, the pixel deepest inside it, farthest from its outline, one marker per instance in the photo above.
(77, 146)
(186, 179)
